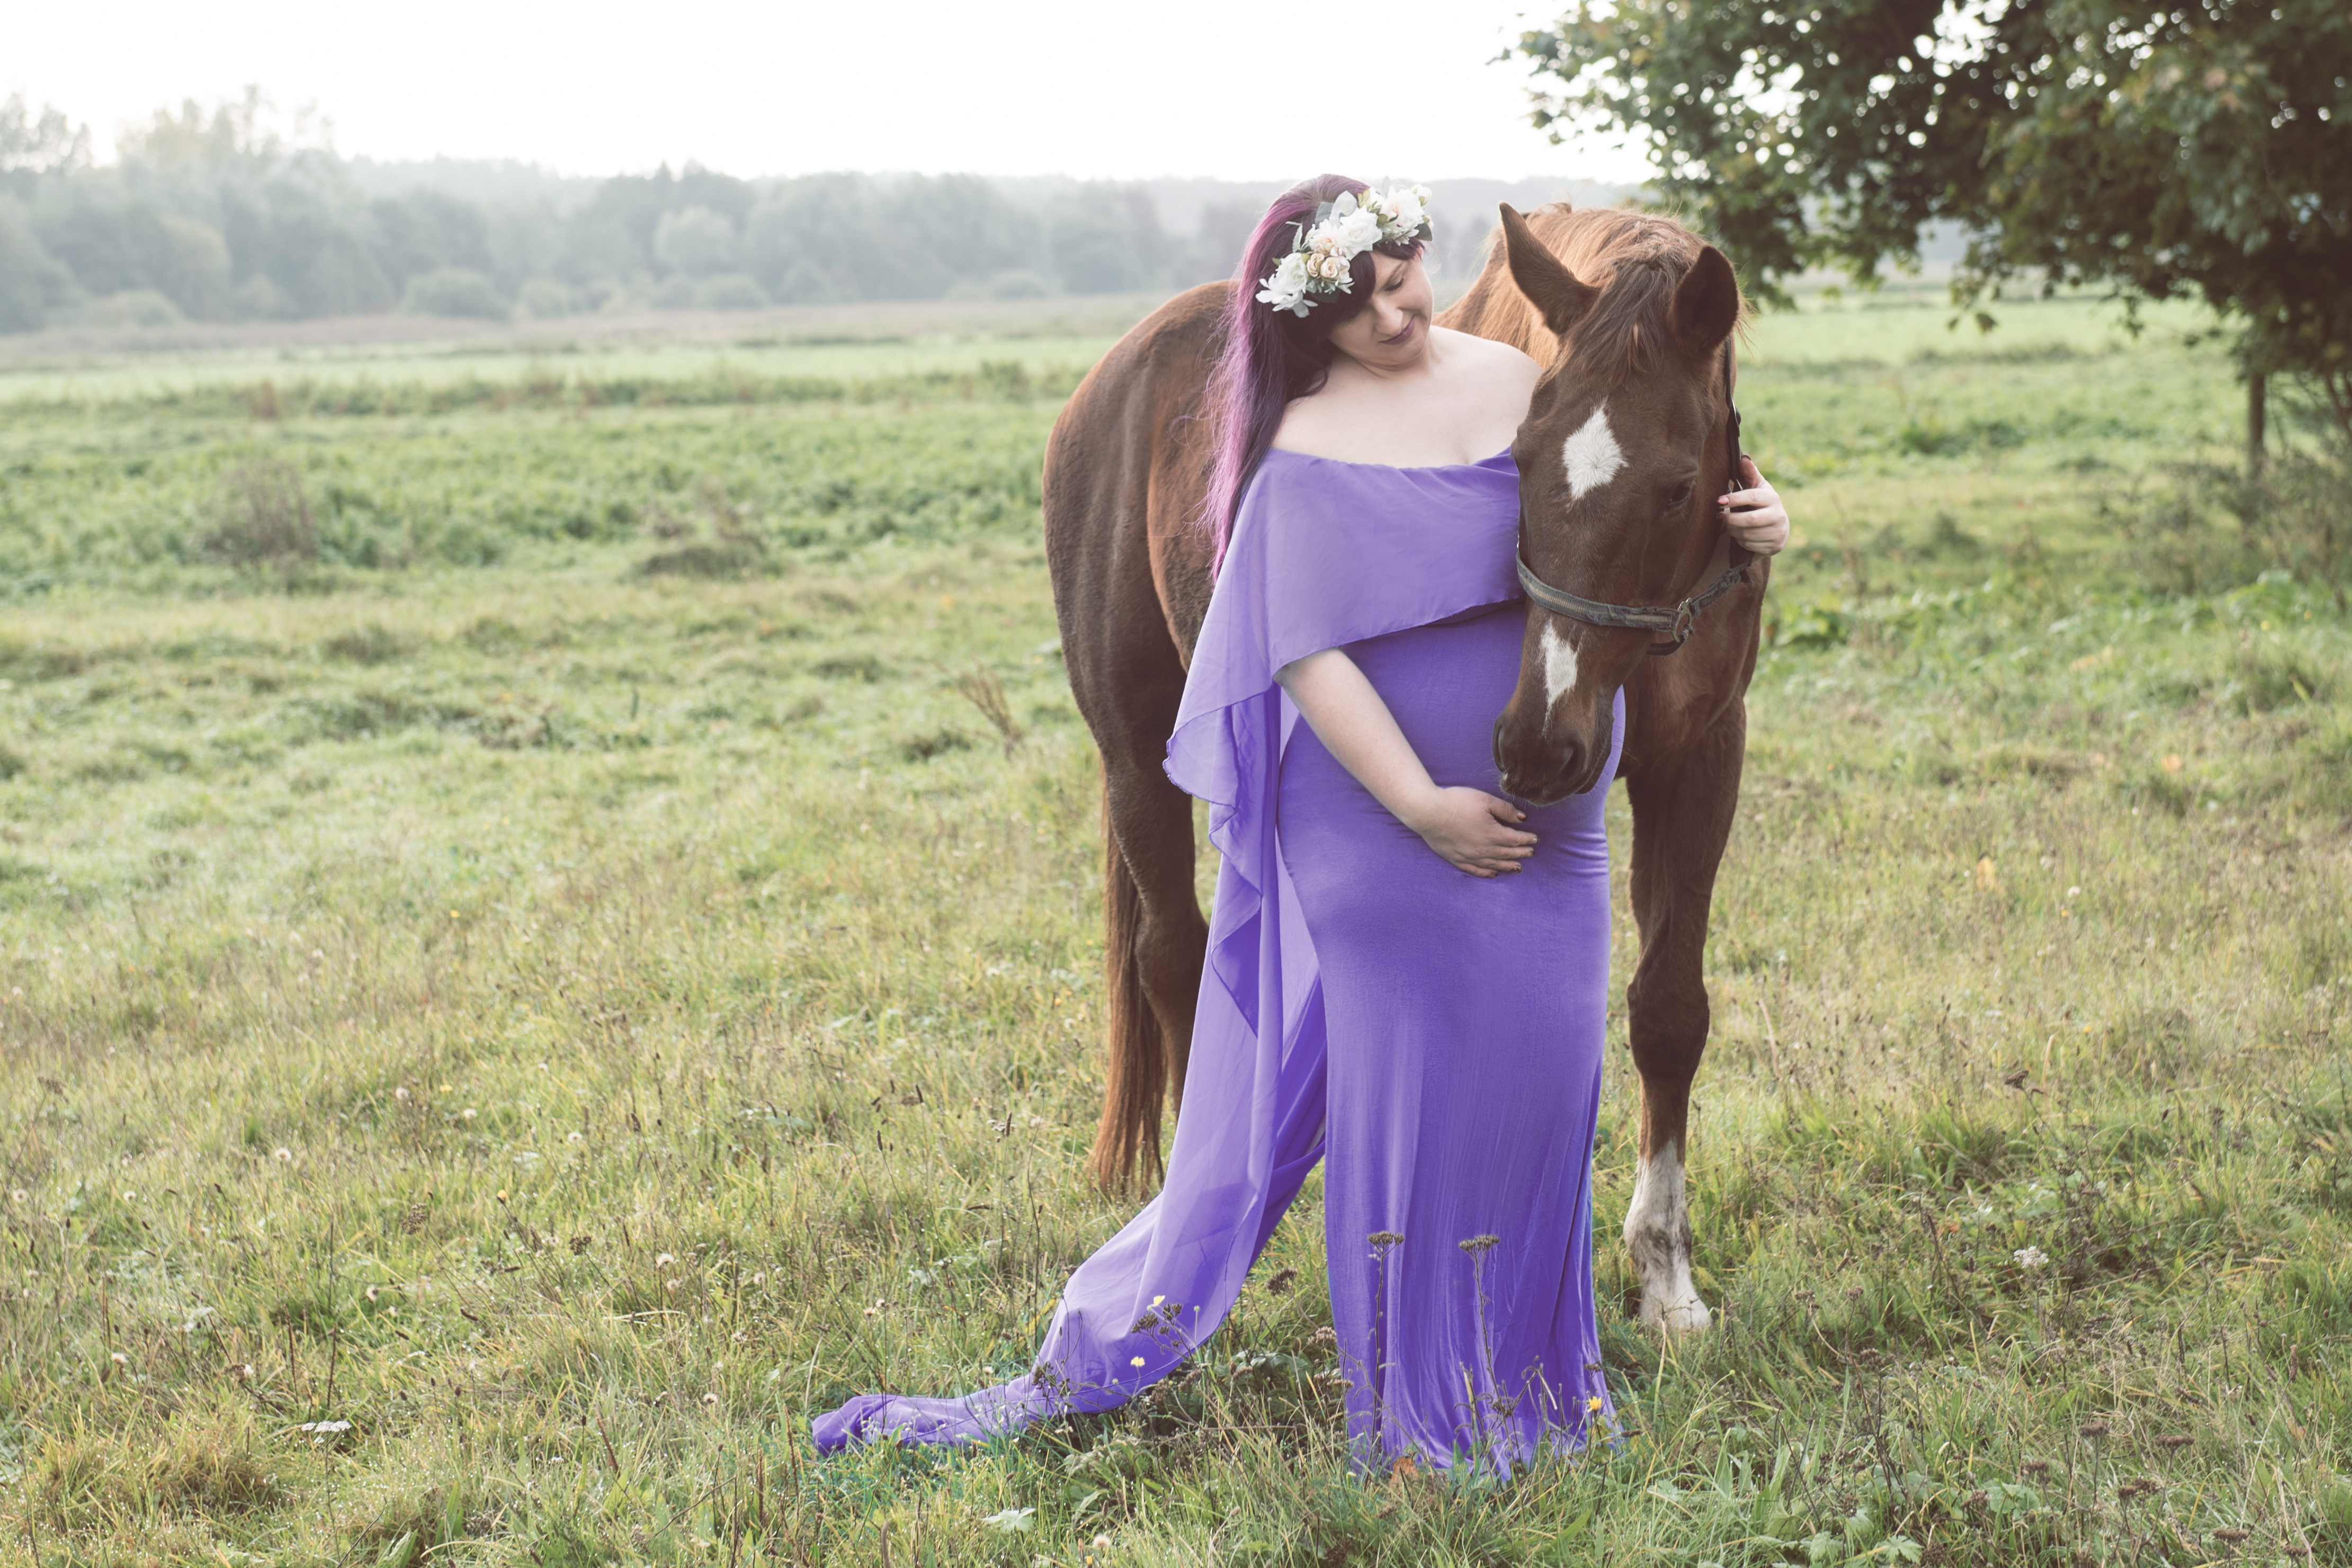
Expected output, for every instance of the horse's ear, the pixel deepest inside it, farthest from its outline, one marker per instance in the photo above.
(1559, 297)
(1706, 304)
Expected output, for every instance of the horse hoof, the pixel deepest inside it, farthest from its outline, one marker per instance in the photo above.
(1689, 1315)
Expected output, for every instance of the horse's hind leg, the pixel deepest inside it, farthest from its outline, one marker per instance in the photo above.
(1154, 942)
(1681, 819)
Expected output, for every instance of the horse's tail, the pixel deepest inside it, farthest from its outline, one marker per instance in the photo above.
(1135, 1057)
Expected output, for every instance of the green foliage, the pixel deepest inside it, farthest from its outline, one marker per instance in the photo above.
(2206, 149)
(224, 218)
(453, 291)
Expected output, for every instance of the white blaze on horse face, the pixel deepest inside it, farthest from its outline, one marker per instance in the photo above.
(1591, 456)
(1559, 663)
(1658, 1234)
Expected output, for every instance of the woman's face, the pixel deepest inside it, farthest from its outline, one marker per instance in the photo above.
(1392, 332)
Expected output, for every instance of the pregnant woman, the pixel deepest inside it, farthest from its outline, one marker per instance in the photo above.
(1407, 970)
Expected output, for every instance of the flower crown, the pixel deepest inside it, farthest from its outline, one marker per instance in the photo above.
(1344, 230)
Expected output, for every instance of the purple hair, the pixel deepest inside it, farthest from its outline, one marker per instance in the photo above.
(1271, 357)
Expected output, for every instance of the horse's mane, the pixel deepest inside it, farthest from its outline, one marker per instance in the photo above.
(1635, 259)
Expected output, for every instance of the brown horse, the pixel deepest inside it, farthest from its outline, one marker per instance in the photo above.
(1630, 430)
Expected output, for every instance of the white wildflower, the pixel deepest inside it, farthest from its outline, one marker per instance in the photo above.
(2031, 1257)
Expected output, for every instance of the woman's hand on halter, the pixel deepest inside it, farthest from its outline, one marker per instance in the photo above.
(1476, 831)
(1755, 518)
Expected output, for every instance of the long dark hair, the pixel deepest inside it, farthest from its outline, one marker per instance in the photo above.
(1270, 357)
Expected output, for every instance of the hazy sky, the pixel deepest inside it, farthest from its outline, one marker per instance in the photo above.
(1118, 88)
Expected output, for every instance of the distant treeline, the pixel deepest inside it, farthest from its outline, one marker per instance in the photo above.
(214, 217)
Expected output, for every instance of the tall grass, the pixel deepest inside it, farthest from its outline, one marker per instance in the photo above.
(489, 1051)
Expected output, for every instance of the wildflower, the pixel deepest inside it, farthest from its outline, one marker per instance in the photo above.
(370, 1292)
(663, 1260)
(401, 1092)
(16, 1195)
(575, 1138)
(1012, 1521)
(468, 1112)
(1136, 1361)
(284, 1156)
(2031, 1257)
(2172, 764)
(710, 1399)
(121, 1359)
(1593, 1405)
(131, 1198)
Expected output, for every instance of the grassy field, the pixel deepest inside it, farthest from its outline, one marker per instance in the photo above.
(527, 967)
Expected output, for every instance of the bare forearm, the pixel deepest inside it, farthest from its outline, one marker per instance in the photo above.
(1356, 727)
(1472, 830)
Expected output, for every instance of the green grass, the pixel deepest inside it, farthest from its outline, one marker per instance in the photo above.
(570, 1006)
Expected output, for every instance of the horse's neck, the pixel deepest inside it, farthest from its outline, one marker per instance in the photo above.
(1494, 308)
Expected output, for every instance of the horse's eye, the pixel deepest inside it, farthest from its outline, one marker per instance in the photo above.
(1681, 497)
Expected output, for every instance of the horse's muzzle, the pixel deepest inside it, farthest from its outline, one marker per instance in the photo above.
(1553, 763)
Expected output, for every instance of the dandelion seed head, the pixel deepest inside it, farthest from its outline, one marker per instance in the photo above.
(401, 1092)
(284, 1156)
(663, 1260)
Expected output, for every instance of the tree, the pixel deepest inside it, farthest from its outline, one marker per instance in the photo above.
(2204, 151)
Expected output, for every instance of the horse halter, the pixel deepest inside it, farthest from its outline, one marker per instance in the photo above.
(1681, 620)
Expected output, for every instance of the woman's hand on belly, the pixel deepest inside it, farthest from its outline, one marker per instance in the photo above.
(1472, 831)
(1476, 831)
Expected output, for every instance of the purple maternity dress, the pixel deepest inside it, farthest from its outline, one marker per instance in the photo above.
(1434, 1036)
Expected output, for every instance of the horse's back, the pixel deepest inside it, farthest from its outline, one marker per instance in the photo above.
(1126, 469)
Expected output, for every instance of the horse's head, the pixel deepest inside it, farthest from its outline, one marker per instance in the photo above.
(1623, 454)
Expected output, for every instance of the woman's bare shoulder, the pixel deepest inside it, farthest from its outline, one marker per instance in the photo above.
(1486, 358)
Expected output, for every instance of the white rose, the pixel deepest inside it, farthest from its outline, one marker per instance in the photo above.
(1285, 290)
(1360, 230)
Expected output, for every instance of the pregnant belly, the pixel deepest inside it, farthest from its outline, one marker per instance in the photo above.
(1446, 684)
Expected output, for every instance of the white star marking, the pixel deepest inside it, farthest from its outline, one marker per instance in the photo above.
(1591, 456)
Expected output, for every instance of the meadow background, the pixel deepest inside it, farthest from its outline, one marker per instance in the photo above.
(547, 931)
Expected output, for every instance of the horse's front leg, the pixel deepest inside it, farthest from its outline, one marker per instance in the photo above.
(1682, 806)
